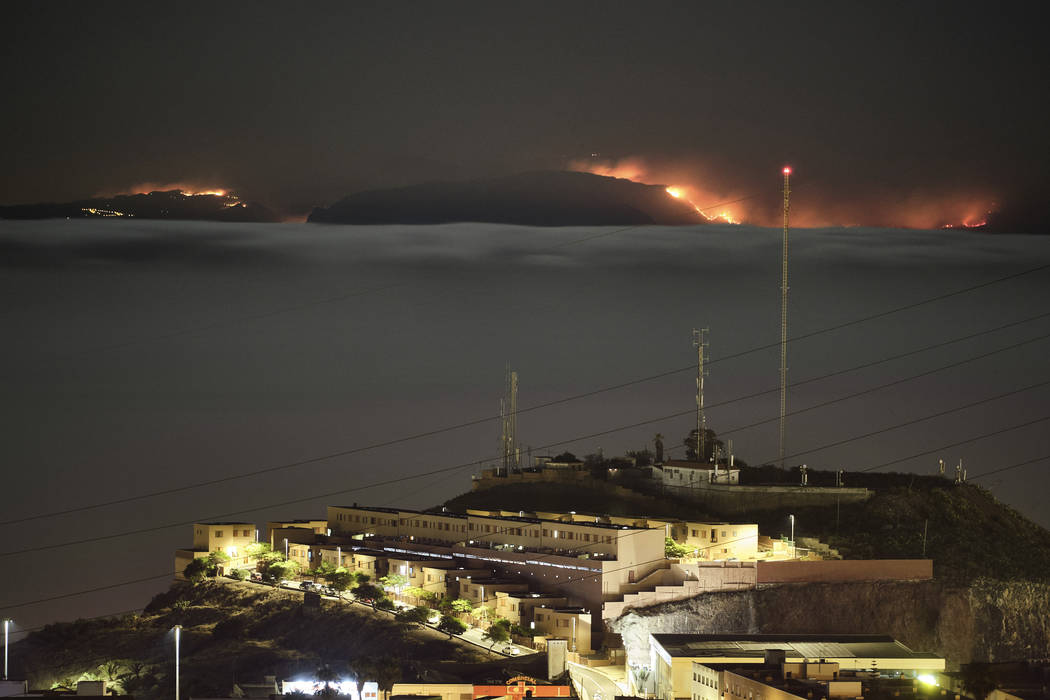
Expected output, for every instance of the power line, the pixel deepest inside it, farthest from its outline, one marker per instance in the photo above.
(930, 416)
(168, 574)
(975, 438)
(1016, 465)
(548, 404)
(443, 470)
(895, 382)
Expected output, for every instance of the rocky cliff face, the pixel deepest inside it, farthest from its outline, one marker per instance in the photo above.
(987, 621)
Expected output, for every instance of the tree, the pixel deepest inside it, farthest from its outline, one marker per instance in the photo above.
(673, 550)
(498, 632)
(256, 550)
(384, 670)
(279, 570)
(451, 625)
(428, 597)
(642, 457)
(361, 577)
(483, 613)
(327, 675)
(239, 574)
(461, 605)
(384, 603)
(324, 569)
(710, 441)
(519, 631)
(340, 580)
(413, 591)
(195, 571)
(216, 559)
(393, 581)
(368, 593)
(565, 457)
(414, 616)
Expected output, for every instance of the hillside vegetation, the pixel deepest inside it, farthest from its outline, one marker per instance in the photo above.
(239, 632)
(969, 534)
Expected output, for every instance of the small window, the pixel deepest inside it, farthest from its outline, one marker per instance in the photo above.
(218, 533)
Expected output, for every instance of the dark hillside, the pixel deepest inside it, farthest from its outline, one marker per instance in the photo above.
(550, 198)
(241, 632)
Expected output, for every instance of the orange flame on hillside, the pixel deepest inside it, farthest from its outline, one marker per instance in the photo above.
(187, 188)
(930, 209)
(635, 170)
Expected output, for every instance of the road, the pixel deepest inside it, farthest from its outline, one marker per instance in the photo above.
(592, 684)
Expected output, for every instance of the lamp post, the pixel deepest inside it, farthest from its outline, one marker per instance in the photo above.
(7, 624)
(285, 547)
(178, 633)
(792, 516)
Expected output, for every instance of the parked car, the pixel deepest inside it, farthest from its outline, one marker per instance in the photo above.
(256, 576)
(307, 585)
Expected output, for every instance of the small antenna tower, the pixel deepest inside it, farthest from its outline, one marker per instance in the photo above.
(784, 315)
(508, 411)
(700, 342)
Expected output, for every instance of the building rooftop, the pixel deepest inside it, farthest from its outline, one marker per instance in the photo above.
(236, 523)
(803, 646)
(496, 581)
(501, 518)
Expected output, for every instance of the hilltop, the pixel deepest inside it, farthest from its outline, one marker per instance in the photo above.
(969, 534)
(167, 204)
(547, 198)
(239, 632)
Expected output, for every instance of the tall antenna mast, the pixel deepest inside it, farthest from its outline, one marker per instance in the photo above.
(784, 315)
(700, 342)
(509, 415)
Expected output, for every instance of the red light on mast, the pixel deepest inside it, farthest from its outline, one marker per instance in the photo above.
(787, 170)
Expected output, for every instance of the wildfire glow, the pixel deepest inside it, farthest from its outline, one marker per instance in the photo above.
(723, 217)
(968, 223)
(187, 188)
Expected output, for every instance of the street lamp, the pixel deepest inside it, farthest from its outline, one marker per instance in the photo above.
(285, 547)
(792, 516)
(7, 624)
(178, 633)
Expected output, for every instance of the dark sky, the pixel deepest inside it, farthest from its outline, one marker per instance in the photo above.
(880, 105)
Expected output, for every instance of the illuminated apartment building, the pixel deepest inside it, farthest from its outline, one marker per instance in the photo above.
(678, 660)
(229, 538)
(587, 562)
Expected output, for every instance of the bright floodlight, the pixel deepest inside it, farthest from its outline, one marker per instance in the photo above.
(787, 169)
(927, 679)
(7, 625)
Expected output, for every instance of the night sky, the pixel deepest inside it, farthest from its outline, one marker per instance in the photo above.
(910, 113)
(141, 355)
